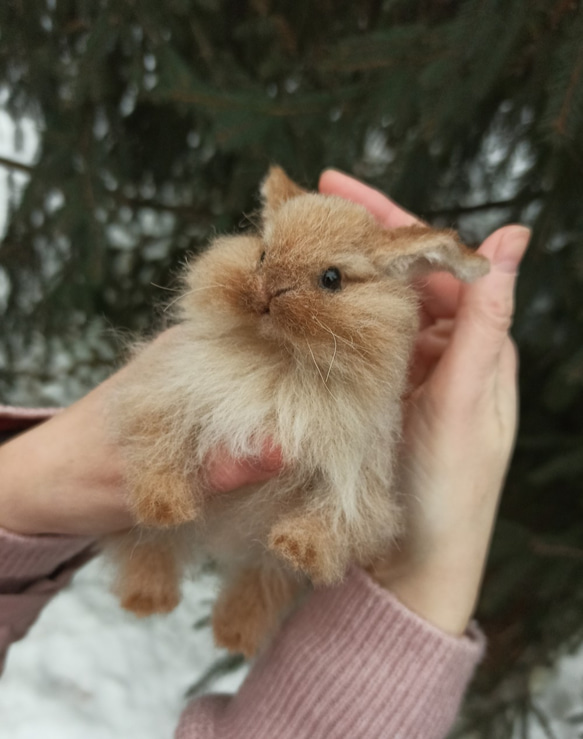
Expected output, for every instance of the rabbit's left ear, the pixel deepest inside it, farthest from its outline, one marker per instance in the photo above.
(276, 188)
(412, 251)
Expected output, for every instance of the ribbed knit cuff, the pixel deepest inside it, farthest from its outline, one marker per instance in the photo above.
(32, 570)
(26, 559)
(354, 662)
(14, 420)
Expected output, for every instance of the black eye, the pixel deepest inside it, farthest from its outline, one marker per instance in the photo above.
(330, 279)
(262, 257)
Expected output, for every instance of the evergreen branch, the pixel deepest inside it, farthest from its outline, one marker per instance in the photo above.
(228, 663)
(248, 103)
(49, 375)
(77, 25)
(20, 166)
(545, 549)
(222, 102)
(520, 199)
(560, 10)
(561, 122)
(543, 720)
(181, 210)
(544, 441)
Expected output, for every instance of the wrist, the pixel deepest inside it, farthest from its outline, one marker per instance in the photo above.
(449, 612)
(442, 591)
(63, 476)
(19, 471)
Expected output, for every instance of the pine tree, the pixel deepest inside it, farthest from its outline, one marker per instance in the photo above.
(157, 122)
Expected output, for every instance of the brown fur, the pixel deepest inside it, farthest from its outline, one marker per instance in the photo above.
(310, 545)
(264, 352)
(148, 580)
(249, 608)
(161, 494)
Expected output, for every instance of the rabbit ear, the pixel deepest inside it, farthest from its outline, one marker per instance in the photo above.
(277, 188)
(416, 250)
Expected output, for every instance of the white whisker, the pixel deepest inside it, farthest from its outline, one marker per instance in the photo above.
(341, 338)
(361, 352)
(333, 358)
(319, 371)
(170, 289)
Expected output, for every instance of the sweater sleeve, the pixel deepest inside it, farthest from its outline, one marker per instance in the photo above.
(354, 662)
(32, 570)
(14, 420)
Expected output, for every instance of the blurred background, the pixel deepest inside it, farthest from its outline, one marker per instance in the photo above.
(133, 131)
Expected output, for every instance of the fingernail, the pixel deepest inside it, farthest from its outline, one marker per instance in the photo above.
(512, 249)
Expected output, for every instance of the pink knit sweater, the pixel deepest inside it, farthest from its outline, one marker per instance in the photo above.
(353, 663)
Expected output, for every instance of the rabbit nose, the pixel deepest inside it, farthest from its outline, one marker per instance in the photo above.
(267, 296)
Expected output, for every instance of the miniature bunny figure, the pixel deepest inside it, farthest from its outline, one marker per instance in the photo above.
(298, 336)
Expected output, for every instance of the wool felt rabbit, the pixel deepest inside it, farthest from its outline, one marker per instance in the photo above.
(298, 335)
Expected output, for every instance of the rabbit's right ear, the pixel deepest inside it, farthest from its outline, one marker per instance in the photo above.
(412, 251)
(276, 188)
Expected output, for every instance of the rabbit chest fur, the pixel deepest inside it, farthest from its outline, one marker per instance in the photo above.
(298, 336)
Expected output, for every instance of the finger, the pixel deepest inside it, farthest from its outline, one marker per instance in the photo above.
(507, 380)
(509, 359)
(225, 474)
(429, 347)
(439, 293)
(384, 210)
(486, 307)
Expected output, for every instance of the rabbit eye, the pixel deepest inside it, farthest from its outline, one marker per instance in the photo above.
(331, 279)
(262, 257)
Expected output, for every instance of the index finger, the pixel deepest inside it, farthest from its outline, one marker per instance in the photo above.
(440, 295)
(382, 208)
(225, 474)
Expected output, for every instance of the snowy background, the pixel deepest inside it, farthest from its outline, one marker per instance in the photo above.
(88, 670)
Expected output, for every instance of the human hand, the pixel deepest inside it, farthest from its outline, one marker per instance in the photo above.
(460, 423)
(66, 477)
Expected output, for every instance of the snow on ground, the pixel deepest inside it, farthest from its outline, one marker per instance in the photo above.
(89, 670)
(557, 692)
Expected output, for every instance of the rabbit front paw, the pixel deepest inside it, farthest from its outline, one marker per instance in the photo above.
(305, 546)
(164, 499)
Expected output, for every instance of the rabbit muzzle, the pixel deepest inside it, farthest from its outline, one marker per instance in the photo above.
(264, 297)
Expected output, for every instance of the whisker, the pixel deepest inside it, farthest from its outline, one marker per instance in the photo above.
(365, 355)
(319, 371)
(140, 531)
(333, 358)
(170, 289)
(341, 338)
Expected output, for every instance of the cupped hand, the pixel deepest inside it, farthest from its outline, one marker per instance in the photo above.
(66, 477)
(460, 423)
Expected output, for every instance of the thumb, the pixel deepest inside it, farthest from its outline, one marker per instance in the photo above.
(225, 474)
(486, 307)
